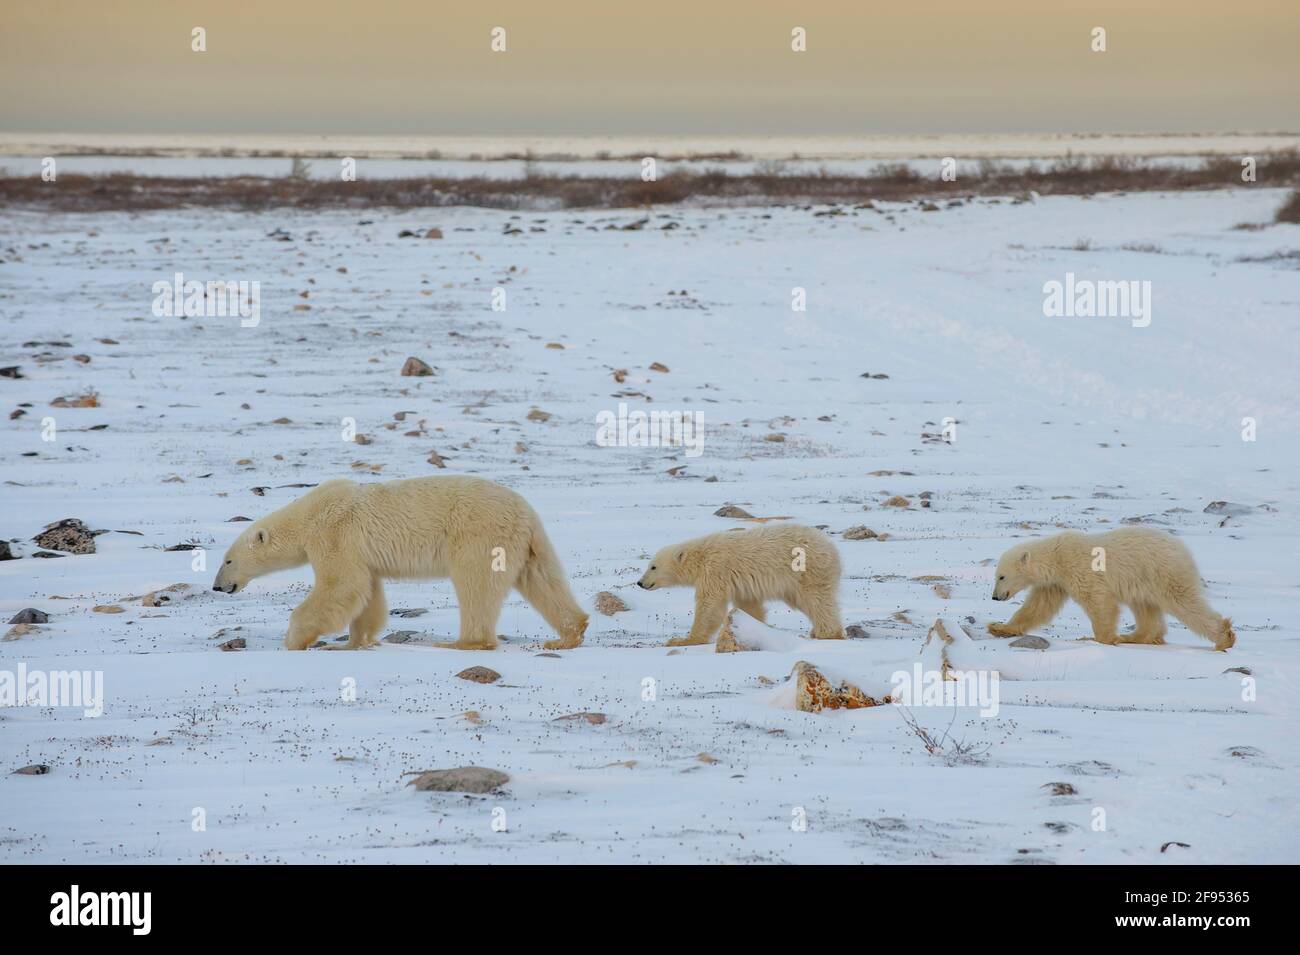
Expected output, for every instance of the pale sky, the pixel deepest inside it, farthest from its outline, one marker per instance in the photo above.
(665, 66)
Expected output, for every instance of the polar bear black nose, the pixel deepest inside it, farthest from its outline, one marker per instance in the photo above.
(216, 587)
(643, 585)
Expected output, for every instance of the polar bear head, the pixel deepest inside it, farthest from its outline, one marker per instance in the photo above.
(259, 550)
(665, 569)
(1013, 574)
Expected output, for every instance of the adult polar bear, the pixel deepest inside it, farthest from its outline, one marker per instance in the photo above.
(483, 536)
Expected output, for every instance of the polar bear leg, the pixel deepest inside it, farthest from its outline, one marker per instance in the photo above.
(1103, 613)
(1042, 604)
(543, 584)
(710, 612)
(1150, 626)
(823, 609)
(1200, 618)
(480, 593)
(334, 602)
(365, 628)
(754, 608)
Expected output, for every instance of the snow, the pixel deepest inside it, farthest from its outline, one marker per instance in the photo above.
(1060, 422)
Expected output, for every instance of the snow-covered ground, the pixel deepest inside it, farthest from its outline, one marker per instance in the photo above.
(1085, 423)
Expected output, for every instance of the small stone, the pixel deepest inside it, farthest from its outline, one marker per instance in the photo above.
(1030, 642)
(238, 643)
(433, 234)
(17, 631)
(1060, 789)
(107, 608)
(30, 615)
(609, 604)
(407, 612)
(897, 501)
(859, 533)
(659, 367)
(401, 636)
(35, 769)
(537, 414)
(6, 553)
(463, 779)
(855, 631)
(479, 675)
(415, 368)
(595, 719)
(730, 510)
(1227, 509)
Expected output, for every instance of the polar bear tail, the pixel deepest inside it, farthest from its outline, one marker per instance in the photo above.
(544, 584)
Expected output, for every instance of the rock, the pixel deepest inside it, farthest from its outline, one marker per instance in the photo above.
(730, 510)
(434, 233)
(69, 535)
(415, 368)
(401, 636)
(107, 608)
(48, 553)
(6, 553)
(537, 414)
(657, 366)
(90, 400)
(1030, 642)
(1181, 845)
(859, 533)
(897, 501)
(30, 615)
(595, 719)
(855, 631)
(437, 460)
(238, 643)
(16, 631)
(11, 371)
(35, 769)
(1228, 509)
(479, 675)
(463, 779)
(814, 693)
(727, 642)
(609, 604)
(1060, 789)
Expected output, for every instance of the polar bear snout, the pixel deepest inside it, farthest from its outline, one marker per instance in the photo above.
(998, 596)
(643, 585)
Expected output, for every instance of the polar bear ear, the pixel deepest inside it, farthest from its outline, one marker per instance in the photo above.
(681, 554)
(1024, 558)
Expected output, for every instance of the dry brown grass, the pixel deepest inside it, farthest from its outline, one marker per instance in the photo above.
(125, 192)
(1290, 211)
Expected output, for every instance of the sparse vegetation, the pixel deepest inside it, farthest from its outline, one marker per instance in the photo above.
(1290, 211)
(541, 190)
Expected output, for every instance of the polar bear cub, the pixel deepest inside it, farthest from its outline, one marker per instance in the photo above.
(483, 536)
(1149, 571)
(788, 562)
